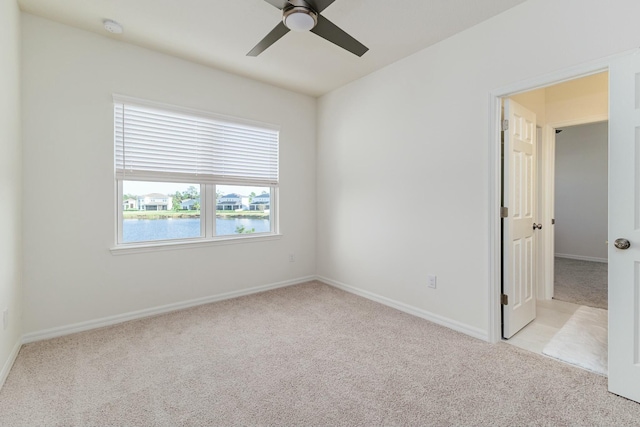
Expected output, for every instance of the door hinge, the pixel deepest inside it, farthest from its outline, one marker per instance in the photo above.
(553, 221)
(504, 212)
(504, 299)
(505, 125)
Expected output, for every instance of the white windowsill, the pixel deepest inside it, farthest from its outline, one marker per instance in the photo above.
(134, 248)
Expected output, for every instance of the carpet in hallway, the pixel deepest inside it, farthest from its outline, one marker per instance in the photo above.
(581, 282)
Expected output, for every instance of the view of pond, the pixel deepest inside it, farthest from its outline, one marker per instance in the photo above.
(140, 230)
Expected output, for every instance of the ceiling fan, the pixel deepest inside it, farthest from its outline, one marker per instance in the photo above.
(304, 15)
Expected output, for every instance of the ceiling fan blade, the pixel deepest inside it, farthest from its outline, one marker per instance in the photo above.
(275, 35)
(330, 31)
(319, 5)
(280, 4)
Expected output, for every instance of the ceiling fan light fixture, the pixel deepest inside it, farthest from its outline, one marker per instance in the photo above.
(299, 18)
(305, 15)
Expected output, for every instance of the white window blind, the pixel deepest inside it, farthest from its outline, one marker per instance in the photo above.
(161, 145)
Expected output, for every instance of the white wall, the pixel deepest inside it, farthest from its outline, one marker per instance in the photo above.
(10, 184)
(70, 275)
(419, 130)
(535, 101)
(582, 100)
(581, 191)
(585, 99)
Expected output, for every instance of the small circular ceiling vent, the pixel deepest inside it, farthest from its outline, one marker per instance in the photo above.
(112, 26)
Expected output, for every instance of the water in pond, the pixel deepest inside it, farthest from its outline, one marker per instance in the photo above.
(141, 230)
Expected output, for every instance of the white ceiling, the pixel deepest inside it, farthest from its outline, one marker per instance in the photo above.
(219, 33)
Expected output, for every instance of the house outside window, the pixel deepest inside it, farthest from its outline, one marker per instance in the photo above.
(232, 201)
(260, 203)
(190, 204)
(154, 202)
(130, 204)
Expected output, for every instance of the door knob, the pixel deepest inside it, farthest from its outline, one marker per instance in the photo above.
(622, 244)
(537, 226)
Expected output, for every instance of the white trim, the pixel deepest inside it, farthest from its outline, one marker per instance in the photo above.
(205, 211)
(167, 245)
(208, 226)
(9, 363)
(494, 274)
(548, 188)
(119, 213)
(495, 234)
(414, 311)
(541, 235)
(274, 210)
(154, 311)
(582, 258)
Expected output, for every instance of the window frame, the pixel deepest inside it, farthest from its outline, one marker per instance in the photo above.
(207, 196)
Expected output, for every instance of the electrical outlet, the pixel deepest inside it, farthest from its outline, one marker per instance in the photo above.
(5, 318)
(292, 258)
(432, 281)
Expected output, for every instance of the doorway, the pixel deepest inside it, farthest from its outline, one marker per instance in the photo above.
(623, 206)
(577, 160)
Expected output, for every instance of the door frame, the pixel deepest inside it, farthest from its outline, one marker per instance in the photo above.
(546, 200)
(495, 170)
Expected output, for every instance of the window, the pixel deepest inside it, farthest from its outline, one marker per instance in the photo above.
(185, 175)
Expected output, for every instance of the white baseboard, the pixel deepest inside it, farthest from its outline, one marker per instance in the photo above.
(582, 258)
(125, 317)
(435, 318)
(9, 363)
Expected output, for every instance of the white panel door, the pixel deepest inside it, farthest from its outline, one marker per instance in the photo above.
(624, 223)
(519, 192)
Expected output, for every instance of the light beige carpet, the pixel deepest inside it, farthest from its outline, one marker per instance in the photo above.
(304, 355)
